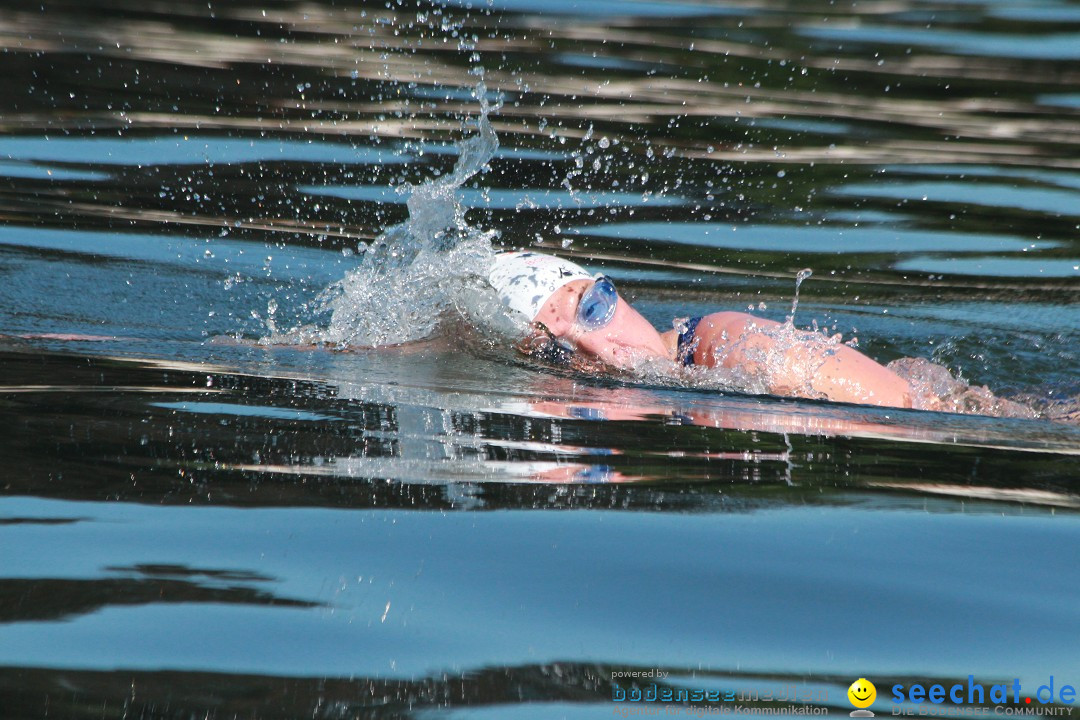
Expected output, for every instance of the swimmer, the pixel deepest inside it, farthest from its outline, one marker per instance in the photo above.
(585, 317)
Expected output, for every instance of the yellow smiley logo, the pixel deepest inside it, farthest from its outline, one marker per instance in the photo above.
(862, 693)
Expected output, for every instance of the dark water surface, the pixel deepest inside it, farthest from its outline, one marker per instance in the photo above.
(196, 525)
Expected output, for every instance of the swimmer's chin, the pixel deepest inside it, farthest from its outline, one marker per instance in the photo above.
(619, 359)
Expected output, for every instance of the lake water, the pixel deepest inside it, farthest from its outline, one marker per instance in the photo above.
(205, 514)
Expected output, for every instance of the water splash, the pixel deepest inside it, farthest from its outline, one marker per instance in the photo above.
(415, 271)
(767, 368)
(799, 277)
(790, 352)
(933, 387)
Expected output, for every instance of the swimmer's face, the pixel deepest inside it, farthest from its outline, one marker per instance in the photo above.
(627, 337)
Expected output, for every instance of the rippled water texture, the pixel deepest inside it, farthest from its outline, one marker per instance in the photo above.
(216, 503)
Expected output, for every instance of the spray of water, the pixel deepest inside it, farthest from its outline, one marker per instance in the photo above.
(933, 387)
(801, 353)
(799, 277)
(413, 272)
(791, 352)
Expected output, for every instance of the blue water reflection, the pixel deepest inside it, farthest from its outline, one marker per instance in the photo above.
(1061, 46)
(185, 150)
(994, 266)
(407, 593)
(813, 239)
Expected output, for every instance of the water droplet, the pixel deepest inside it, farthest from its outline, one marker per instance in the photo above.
(799, 277)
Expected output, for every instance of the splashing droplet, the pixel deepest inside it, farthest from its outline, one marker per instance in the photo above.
(799, 277)
(415, 271)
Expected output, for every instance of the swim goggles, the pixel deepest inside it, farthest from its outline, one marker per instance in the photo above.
(597, 305)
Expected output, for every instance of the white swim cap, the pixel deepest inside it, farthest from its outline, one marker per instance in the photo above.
(525, 280)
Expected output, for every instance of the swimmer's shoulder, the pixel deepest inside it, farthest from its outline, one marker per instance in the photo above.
(708, 332)
(717, 331)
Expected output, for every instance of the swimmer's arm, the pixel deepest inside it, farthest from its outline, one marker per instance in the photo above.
(843, 374)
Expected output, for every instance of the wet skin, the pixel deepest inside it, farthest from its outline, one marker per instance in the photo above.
(730, 340)
(619, 343)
